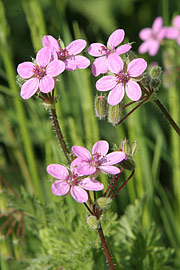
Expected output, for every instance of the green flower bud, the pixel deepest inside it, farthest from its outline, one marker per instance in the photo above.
(20, 81)
(128, 163)
(156, 72)
(100, 106)
(155, 83)
(114, 114)
(146, 79)
(61, 43)
(103, 202)
(93, 223)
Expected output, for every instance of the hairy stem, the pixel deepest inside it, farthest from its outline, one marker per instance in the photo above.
(59, 134)
(105, 247)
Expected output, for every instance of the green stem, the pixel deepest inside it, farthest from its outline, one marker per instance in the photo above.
(167, 115)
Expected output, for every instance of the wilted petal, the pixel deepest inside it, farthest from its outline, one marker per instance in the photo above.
(133, 90)
(81, 152)
(55, 68)
(76, 46)
(100, 147)
(81, 62)
(116, 94)
(43, 57)
(46, 84)
(58, 171)
(109, 169)
(123, 49)
(157, 24)
(106, 83)
(60, 188)
(25, 70)
(29, 88)
(145, 33)
(136, 67)
(116, 38)
(79, 194)
(153, 47)
(113, 158)
(115, 63)
(144, 47)
(85, 168)
(50, 42)
(90, 184)
(100, 66)
(96, 49)
(176, 21)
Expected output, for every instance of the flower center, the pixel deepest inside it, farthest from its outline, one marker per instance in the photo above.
(39, 71)
(123, 78)
(105, 50)
(73, 180)
(62, 54)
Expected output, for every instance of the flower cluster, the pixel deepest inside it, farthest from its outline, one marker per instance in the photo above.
(84, 165)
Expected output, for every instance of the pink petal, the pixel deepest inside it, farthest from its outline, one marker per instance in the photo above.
(123, 49)
(96, 49)
(100, 147)
(79, 194)
(171, 33)
(145, 33)
(136, 67)
(50, 42)
(76, 163)
(85, 169)
(154, 47)
(106, 83)
(29, 88)
(46, 84)
(60, 188)
(116, 38)
(144, 47)
(55, 68)
(133, 90)
(116, 94)
(176, 21)
(58, 171)
(76, 46)
(115, 63)
(100, 66)
(113, 158)
(157, 24)
(70, 64)
(178, 40)
(161, 34)
(25, 70)
(81, 62)
(90, 184)
(82, 153)
(43, 57)
(109, 169)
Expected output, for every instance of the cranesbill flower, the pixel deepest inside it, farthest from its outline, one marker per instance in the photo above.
(39, 75)
(152, 37)
(69, 54)
(123, 79)
(101, 64)
(99, 161)
(173, 32)
(72, 182)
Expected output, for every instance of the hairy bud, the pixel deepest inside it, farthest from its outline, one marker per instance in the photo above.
(93, 222)
(100, 106)
(103, 202)
(128, 163)
(114, 114)
(156, 72)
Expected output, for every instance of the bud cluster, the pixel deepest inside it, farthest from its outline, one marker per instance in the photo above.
(153, 78)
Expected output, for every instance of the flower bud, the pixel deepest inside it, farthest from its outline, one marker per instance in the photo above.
(146, 79)
(156, 72)
(128, 163)
(103, 202)
(114, 114)
(155, 83)
(61, 43)
(20, 81)
(100, 106)
(93, 223)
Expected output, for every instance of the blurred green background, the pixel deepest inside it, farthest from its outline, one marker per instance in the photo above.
(27, 141)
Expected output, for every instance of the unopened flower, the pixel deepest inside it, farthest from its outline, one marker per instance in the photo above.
(72, 181)
(173, 32)
(152, 37)
(123, 79)
(39, 75)
(99, 161)
(101, 64)
(69, 54)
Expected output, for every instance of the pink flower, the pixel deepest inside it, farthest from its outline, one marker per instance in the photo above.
(70, 54)
(152, 37)
(72, 182)
(40, 75)
(99, 161)
(101, 64)
(123, 80)
(173, 32)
